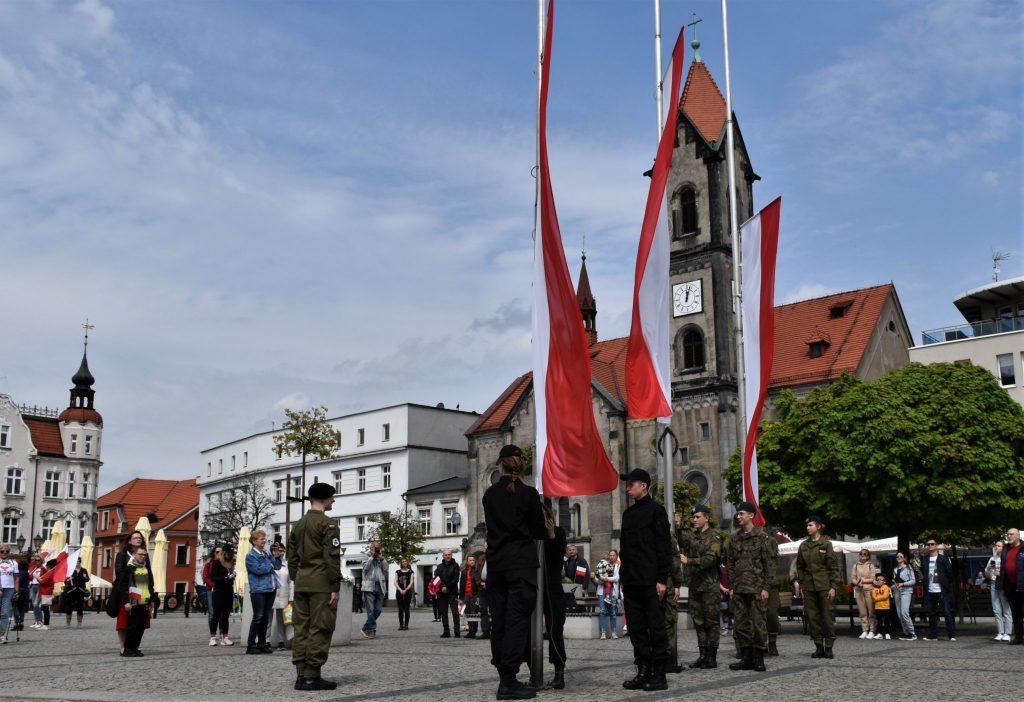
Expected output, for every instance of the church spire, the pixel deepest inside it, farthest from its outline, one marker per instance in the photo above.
(588, 305)
(81, 408)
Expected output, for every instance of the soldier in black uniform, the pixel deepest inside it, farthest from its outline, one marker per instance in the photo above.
(512, 511)
(644, 575)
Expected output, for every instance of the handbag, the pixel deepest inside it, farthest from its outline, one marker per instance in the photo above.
(286, 615)
(113, 607)
(45, 600)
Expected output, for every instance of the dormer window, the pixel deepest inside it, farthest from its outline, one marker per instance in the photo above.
(838, 310)
(817, 347)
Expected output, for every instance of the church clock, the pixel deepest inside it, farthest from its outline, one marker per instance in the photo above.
(686, 298)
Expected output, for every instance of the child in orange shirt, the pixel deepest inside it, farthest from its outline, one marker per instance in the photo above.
(880, 595)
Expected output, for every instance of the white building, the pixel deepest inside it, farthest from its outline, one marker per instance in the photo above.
(50, 465)
(993, 336)
(383, 455)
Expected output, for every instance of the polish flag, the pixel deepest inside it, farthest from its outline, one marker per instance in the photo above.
(570, 456)
(760, 243)
(647, 358)
(67, 567)
(581, 571)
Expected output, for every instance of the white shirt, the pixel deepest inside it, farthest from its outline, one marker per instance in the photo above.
(933, 576)
(8, 572)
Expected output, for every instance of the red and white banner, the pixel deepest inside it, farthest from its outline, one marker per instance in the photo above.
(581, 571)
(647, 358)
(570, 456)
(760, 243)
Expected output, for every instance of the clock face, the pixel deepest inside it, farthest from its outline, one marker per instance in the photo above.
(686, 298)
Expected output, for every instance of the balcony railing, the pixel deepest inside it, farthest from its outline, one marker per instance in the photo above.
(973, 330)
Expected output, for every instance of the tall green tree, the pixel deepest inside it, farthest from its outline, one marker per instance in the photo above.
(307, 434)
(924, 450)
(399, 533)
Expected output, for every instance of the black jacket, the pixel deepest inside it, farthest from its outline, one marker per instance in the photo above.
(449, 574)
(554, 550)
(514, 522)
(943, 572)
(646, 545)
(126, 578)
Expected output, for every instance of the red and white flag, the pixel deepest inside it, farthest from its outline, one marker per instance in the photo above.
(581, 571)
(647, 358)
(760, 243)
(570, 456)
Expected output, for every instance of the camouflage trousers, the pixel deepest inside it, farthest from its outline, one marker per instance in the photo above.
(772, 615)
(749, 620)
(314, 621)
(668, 604)
(706, 610)
(818, 613)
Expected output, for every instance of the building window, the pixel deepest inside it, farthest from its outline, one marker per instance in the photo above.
(360, 437)
(338, 482)
(209, 469)
(12, 527)
(684, 455)
(5, 435)
(88, 444)
(700, 481)
(47, 531)
(297, 488)
(424, 514)
(245, 459)
(232, 463)
(684, 212)
(495, 476)
(81, 531)
(693, 349)
(1006, 375)
(85, 486)
(71, 485)
(52, 486)
(449, 525)
(361, 480)
(576, 519)
(385, 432)
(816, 349)
(181, 554)
(278, 491)
(106, 558)
(278, 534)
(105, 522)
(74, 443)
(385, 475)
(220, 466)
(705, 430)
(360, 528)
(14, 485)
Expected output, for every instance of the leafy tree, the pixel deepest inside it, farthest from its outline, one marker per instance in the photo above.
(684, 496)
(307, 434)
(924, 450)
(246, 503)
(400, 535)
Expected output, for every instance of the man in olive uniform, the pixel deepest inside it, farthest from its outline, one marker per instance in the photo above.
(772, 613)
(751, 568)
(817, 571)
(701, 556)
(314, 564)
(669, 604)
(644, 575)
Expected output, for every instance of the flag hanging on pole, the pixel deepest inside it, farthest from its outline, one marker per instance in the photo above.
(570, 456)
(760, 243)
(647, 358)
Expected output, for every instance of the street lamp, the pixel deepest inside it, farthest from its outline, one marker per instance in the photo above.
(37, 541)
(20, 541)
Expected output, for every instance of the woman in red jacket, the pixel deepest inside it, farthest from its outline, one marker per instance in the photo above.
(46, 586)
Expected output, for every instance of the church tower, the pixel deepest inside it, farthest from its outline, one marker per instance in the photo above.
(705, 400)
(80, 424)
(588, 305)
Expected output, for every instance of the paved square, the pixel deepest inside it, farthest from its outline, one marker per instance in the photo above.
(72, 664)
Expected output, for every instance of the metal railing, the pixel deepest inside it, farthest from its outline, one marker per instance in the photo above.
(35, 411)
(973, 330)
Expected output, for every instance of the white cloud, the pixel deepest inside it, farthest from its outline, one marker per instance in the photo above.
(806, 291)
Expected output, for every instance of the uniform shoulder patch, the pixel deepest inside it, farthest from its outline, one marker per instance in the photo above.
(332, 525)
(335, 542)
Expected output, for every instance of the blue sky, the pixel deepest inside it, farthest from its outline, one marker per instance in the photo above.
(265, 204)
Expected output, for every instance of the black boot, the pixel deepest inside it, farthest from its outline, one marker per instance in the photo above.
(773, 650)
(711, 658)
(298, 677)
(759, 660)
(471, 634)
(558, 682)
(318, 683)
(746, 661)
(819, 651)
(828, 652)
(643, 674)
(657, 680)
(511, 689)
(700, 661)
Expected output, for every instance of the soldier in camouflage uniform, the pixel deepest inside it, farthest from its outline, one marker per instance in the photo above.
(669, 604)
(751, 569)
(817, 571)
(772, 614)
(314, 564)
(701, 556)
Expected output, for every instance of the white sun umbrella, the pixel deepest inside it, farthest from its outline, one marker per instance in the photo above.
(97, 581)
(158, 561)
(58, 538)
(85, 557)
(241, 576)
(145, 527)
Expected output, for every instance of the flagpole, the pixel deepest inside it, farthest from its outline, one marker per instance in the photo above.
(659, 84)
(537, 620)
(737, 274)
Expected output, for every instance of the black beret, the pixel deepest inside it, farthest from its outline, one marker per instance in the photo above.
(814, 518)
(320, 491)
(702, 508)
(746, 507)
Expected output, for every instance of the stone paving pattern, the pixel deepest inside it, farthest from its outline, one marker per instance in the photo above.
(83, 665)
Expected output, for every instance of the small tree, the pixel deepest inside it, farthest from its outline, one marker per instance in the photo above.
(246, 503)
(684, 498)
(400, 535)
(307, 434)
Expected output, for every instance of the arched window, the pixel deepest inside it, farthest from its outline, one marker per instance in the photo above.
(700, 481)
(693, 349)
(683, 207)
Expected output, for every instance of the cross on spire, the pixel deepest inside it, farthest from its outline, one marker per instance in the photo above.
(695, 42)
(584, 251)
(87, 327)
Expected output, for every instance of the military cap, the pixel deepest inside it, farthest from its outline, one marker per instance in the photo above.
(320, 491)
(814, 518)
(510, 450)
(702, 508)
(746, 507)
(638, 474)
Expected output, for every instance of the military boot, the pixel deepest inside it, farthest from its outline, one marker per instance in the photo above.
(711, 659)
(558, 682)
(773, 650)
(318, 683)
(643, 674)
(511, 689)
(298, 677)
(759, 660)
(828, 652)
(657, 680)
(819, 651)
(746, 661)
(700, 661)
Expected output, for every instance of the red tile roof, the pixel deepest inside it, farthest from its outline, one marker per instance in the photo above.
(802, 323)
(702, 103)
(81, 414)
(495, 415)
(45, 436)
(169, 499)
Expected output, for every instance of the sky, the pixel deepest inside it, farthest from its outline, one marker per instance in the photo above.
(273, 204)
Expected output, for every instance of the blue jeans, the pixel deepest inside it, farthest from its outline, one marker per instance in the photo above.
(931, 599)
(37, 610)
(209, 607)
(262, 611)
(609, 608)
(903, 599)
(373, 601)
(5, 608)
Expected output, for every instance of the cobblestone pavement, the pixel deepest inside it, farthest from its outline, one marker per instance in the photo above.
(72, 664)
